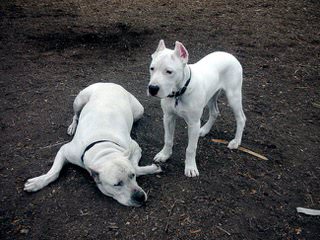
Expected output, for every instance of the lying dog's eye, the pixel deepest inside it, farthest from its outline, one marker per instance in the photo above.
(169, 72)
(119, 184)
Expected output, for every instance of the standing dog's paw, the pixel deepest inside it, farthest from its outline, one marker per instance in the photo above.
(35, 184)
(162, 156)
(233, 144)
(191, 171)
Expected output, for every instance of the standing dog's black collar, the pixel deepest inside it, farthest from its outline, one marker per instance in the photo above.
(94, 143)
(177, 94)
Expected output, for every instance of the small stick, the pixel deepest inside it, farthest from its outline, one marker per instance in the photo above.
(171, 208)
(53, 145)
(224, 230)
(170, 213)
(195, 231)
(241, 149)
(317, 105)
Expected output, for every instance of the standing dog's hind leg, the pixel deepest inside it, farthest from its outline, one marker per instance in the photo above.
(37, 183)
(235, 101)
(213, 114)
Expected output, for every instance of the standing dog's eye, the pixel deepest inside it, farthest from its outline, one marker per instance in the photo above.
(152, 68)
(119, 184)
(169, 72)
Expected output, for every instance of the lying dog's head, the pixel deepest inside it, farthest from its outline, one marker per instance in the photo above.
(116, 178)
(167, 69)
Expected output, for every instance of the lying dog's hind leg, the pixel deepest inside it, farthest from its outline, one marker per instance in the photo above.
(137, 108)
(135, 153)
(79, 102)
(213, 114)
(37, 183)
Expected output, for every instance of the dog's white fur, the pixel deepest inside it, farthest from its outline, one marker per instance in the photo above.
(217, 71)
(103, 111)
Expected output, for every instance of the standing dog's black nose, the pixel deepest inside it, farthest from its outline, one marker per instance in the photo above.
(153, 89)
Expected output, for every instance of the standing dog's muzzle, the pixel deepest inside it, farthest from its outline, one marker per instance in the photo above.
(153, 89)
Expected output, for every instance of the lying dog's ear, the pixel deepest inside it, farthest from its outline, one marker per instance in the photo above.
(95, 176)
(161, 46)
(181, 52)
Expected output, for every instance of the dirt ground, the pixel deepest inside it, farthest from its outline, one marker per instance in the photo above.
(50, 50)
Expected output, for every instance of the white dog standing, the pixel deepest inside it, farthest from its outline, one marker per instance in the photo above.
(104, 114)
(186, 89)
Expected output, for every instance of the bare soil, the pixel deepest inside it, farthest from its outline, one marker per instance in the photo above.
(50, 50)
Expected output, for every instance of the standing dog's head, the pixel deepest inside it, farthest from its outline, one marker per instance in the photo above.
(116, 178)
(167, 69)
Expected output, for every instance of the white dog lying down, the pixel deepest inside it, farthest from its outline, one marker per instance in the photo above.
(186, 89)
(102, 144)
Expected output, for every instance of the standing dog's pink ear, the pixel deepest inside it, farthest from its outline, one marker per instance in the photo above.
(181, 52)
(161, 46)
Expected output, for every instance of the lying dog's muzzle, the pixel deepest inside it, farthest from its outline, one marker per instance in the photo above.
(138, 197)
(153, 89)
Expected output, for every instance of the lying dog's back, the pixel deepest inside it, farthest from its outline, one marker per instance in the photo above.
(108, 103)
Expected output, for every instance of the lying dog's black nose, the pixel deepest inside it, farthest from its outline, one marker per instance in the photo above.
(138, 197)
(153, 89)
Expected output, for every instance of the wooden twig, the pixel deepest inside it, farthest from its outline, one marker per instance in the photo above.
(171, 208)
(195, 231)
(166, 227)
(223, 230)
(55, 144)
(241, 149)
(315, 104)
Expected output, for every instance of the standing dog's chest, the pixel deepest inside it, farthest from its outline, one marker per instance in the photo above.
(182, 109)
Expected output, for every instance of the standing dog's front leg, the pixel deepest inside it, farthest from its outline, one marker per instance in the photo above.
(191, 169)
(169, 122)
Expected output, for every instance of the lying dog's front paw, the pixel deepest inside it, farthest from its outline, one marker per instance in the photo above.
(35, 184)
(191, 171)
(157, 168)
(162, 156)
(233, 144)
(72, 128)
